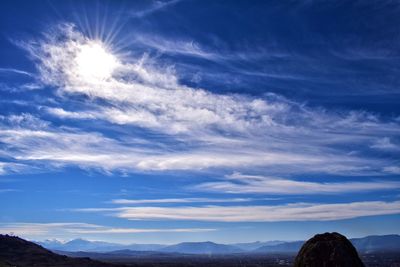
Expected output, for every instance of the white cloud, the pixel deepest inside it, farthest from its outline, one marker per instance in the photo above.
(181, 47)
(213, 130)
(70, 230)
(12, 167)
(156, 6)
(15, 71)
(144, 86)
(179, 200)
(42, 143)
(61, 113)
(385, 144)
(239, 183)
(221, 55)
(287, 212)
(65, 147)
(24, 120)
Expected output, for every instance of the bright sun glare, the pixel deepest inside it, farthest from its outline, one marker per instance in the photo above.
(94, 62)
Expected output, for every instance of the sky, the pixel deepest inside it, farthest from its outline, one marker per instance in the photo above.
(171, 121)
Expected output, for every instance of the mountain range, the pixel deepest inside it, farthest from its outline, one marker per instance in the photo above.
(366, 245)
(96, 246)
(14, 251)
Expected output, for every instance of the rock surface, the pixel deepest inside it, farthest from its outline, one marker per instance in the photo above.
(15, 251)
(328, 250)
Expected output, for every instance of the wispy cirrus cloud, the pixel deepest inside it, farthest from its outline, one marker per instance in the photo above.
(385, 143)
(241, 184)
(61, 113)
(177, 47)
(155, 6)
(8, 190)
(74, 229)
(13, 167)
(275, 213)
(15, 71)
(193, 49)
(181, 200)
(213, 130)
(91, 149)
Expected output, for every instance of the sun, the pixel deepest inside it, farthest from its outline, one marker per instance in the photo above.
(94, 62)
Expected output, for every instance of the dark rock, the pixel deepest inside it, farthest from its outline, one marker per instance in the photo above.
(328, 250)
(15, 251)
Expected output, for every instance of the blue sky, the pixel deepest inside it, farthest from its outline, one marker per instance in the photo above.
(169, 121)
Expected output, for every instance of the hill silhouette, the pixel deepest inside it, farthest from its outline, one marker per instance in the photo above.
(328, 250)
(15, 251)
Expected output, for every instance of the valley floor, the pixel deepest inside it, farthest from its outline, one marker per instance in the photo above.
(235, 260)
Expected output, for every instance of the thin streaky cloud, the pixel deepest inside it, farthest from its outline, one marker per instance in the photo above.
(270, 131)
(174, 47)
(276, 213)
(61, 113)
(156, 6)
(34, 141)
(8, 190)
(68, 229)
(13, 167)
(243, 184)
(16, 71)
(385, 143)
(180, 200)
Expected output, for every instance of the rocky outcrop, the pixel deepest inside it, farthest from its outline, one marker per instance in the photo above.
(15, 251)
(328, 250)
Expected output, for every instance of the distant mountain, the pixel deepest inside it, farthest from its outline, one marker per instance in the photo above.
(365, 244)
(15, 251)
(50, 243)
(377, 243)
(201, 248)
(80, 245)
(255, 245)
(85, 245)
(285, 247)
(96, 246)
(383, 243)
(144, 247)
